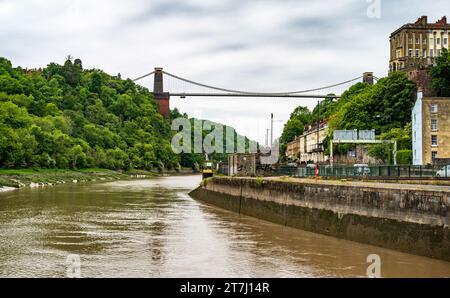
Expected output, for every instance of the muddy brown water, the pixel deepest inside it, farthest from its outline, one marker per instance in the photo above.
(152, 228)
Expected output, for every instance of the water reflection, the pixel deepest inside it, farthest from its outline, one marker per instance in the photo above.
(152, 228)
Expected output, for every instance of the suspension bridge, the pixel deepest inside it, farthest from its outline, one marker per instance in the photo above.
(163, 97)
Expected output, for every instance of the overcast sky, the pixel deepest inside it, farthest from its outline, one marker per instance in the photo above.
(255, 45)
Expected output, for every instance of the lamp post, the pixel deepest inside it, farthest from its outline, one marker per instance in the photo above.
(272, 121)
(271, 130)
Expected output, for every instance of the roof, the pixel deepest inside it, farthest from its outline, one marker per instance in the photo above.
(422, 24)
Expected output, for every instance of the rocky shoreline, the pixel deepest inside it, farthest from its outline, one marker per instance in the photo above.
(12, 180)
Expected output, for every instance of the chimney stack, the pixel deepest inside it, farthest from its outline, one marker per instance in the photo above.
(442, 21)
(423, 20)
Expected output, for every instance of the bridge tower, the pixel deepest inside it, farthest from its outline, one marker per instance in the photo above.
(368, 78)
(163, 98)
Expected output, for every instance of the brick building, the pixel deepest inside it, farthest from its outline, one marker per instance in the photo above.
(243, 165)
(431, 129)
(414, 46)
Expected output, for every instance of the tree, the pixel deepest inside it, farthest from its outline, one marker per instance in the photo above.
(404, 145)
(440, 74)
(76, 157)
(96, 83)
(5, 66)
(70, 117)
(296, 123)
(294, 127)
(125, 108)
(71, 72)
(14, 116)
(383, 106)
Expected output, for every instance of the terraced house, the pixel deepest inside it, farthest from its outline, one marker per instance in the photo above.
(309, 147)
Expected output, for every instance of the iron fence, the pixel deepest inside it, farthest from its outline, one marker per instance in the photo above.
(379, 171)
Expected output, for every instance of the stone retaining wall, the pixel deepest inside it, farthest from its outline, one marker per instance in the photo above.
(409, 220)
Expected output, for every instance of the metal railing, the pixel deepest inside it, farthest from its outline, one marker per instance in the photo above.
(376, 172)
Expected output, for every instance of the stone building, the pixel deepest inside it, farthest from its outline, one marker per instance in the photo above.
(309, 146)
(293, 148)
(414, 46)
(243, 165)
(431, 129)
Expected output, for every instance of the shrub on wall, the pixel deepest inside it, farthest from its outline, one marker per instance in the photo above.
(404, 157)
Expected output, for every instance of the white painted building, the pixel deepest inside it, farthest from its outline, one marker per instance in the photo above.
(417, 142)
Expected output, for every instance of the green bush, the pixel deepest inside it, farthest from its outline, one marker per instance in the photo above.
(404, 157)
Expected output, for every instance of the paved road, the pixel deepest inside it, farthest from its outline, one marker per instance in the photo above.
(405, 186)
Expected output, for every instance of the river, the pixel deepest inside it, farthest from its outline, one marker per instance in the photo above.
(152, 228)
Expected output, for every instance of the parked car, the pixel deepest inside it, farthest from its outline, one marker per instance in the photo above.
(292, 165)
(311, 166)
(362, 169)
(444, 172)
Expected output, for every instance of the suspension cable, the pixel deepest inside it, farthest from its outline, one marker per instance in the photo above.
(144, 76)
(265, 93)
(248, 92)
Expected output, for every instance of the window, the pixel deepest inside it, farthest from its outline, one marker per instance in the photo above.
(434, 141)
(434, 108)
(431, 53)
(434, 126)
(424, 54)
(410, 52)
(438, 40)
(431, 40)
(433, 155)
(445, 41)
(417, 41)
(438, 53)
(417, 53)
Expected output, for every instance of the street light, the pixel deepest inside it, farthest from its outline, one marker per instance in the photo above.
(271, 128)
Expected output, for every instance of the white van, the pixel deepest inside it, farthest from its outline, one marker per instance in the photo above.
(444, 172)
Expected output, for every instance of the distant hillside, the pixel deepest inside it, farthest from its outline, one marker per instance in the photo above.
(64, 116)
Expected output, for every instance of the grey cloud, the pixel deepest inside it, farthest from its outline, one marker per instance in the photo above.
(262, 45)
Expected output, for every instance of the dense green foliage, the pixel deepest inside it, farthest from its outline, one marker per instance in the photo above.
(302, 116)
(385, 106)
(68, 117)
(404, 144)
(382, 106)
(405, 157)
(440, 74)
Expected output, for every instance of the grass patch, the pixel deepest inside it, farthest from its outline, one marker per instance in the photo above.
(205, 181)
(259, 181)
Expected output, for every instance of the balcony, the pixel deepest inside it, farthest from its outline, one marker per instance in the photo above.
(315, 148)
